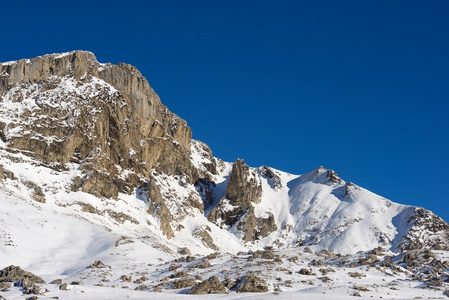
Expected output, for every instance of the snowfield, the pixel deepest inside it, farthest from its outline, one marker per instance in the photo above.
(59, 239)
(161, 220)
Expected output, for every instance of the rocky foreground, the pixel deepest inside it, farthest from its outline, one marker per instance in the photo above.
(377, 274)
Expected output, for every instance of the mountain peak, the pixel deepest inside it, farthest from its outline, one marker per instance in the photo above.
(106, 117)
(90, 140)
(323, 175)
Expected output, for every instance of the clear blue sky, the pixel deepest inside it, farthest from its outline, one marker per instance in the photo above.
(361, 87)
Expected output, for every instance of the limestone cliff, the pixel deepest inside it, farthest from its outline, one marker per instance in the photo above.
(105, 116)
(63, 108)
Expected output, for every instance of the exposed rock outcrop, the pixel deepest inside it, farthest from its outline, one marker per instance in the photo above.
(425, 230)
(203, 234)
(213, 285)
(16, 274)
(5, 174)
(324, 176)
(104, 116)
(273, 179)
(236, 208)
(251, 284)
(62, 108)
(106, 120)
(243, 188)
(158, 207)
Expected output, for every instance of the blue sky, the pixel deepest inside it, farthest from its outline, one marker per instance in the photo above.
(360, 87)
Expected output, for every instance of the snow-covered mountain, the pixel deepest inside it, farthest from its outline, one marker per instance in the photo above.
(91, 160)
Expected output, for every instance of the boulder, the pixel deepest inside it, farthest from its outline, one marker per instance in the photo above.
(5, 174)
(184, 251)
(190, 258)
(209, 286)
(96, 264)
(15, 274)
(304, 271)
(5, 285)
(204, 264)
(183, 283)
(251, 284)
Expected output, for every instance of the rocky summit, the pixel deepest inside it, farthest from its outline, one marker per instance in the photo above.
(94, 168)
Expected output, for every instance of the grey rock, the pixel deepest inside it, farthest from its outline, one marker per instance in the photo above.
(427, 230)
(26, 283)
(204, 264)
(273, 179)
(251, 284)
(128, 116)
(15, 274)
(183, 283)
(304, 271)
(142, 287)
(308, 250)
(5, 285)
(184, 251)
(6, 174)
(356, 274)
(126, 278)
(32, 290)
(243, 189)
(96, 264)
(203, 234)
(209, 286)
(180, 274)
(190, 258)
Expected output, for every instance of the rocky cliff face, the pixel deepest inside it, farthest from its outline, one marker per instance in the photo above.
(104, 130)
(423, 229)
(236, 208)
(70, 108)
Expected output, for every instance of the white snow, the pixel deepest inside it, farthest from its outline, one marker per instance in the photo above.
(63, 236)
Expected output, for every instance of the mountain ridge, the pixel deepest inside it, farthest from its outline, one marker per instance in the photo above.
(106, 132)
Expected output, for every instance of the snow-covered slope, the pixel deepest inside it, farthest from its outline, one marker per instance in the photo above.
(94, 167)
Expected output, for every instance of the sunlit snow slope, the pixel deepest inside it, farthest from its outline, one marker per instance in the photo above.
(79, 177)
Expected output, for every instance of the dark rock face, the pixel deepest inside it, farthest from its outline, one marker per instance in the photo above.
(236, 208)
(210, 286)
(205, 189)
(273, 179)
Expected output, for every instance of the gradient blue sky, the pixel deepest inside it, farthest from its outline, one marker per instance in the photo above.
(361, 87)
